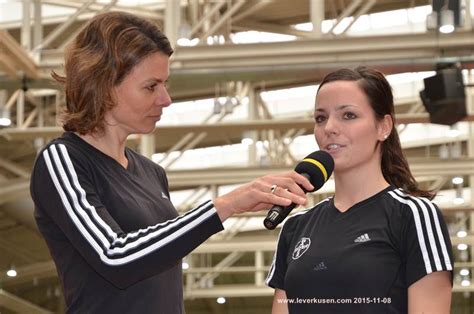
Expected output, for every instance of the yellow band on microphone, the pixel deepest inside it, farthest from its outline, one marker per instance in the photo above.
(319, 165)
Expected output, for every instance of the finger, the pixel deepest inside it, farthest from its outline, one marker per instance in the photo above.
(298, 178)
(287, 183)
(301, 180)
(281, 197)
(295, 198)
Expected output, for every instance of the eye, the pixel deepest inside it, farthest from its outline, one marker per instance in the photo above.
(349, 115)
(151, 88)
(319, 118)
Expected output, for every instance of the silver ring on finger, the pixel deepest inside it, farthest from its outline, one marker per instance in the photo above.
(273, 188)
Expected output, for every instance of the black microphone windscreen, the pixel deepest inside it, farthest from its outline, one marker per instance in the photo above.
(319, 166)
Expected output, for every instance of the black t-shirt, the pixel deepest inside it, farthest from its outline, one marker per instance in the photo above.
(115, 237)
(362, 260)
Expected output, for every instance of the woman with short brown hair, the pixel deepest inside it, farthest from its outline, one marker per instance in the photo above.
(103, 209)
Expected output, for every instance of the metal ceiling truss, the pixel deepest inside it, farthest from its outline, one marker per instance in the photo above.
(238, 70)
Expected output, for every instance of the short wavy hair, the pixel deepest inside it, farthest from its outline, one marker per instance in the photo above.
(99, 58)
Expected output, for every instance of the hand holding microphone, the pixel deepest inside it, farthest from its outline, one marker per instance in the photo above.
(317, 167)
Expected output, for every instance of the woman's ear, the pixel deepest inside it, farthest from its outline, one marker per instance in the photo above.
(385, 127)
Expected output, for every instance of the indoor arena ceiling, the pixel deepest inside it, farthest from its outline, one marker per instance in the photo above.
(236, 260)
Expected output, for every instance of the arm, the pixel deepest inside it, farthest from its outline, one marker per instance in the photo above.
(430, 294)
(279, 307)
(70, 212)
(64, 192)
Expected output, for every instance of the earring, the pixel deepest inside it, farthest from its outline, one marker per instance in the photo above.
(385, 137)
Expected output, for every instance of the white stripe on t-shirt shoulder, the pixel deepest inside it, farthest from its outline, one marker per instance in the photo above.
(415, 204)
(426, 205)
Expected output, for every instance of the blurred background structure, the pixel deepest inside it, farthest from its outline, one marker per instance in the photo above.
(243, 81)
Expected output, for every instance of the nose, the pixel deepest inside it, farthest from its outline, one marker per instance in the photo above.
(164, 99)
(331, 126)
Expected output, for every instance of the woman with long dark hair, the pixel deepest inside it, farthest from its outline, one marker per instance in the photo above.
(379, 245)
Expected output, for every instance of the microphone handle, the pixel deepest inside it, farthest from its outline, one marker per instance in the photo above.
(276, 215)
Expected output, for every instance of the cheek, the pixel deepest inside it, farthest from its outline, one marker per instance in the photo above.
(317, 135)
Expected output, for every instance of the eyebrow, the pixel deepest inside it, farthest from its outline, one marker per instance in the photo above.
(338, 108)
(155, 80)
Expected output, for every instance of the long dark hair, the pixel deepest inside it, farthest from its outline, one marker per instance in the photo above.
(394, 165)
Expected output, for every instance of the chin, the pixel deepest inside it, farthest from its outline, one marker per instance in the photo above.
(144, 130)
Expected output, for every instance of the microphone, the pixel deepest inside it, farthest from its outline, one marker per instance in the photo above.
(317, 167)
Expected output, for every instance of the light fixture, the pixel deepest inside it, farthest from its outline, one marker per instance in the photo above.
(221, 300)
(185, 265)
(447, 21)
(464, 272)
(462, 246)
(185, 42)
(5, 116)
(11, 272)
(461, 234)
(465, 283)
(457, 180)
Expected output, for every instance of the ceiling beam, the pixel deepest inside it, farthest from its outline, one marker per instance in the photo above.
(177, 131)
(19, 305)
(18, 55)
(307, 52)
(271, 28)
(14, 168)
(29, 273)
(8, 66)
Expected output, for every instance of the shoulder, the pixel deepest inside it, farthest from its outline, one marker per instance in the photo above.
(406, 202)
(409, 211)
(63, 148)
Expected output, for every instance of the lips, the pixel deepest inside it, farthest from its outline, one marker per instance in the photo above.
(156, 116)
(333, 147)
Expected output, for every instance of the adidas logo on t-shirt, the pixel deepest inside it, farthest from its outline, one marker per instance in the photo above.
(362, 238)
(320, 266)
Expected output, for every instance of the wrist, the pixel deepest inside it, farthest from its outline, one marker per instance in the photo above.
(223, 208)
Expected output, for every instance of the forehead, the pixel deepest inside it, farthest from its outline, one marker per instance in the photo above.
(156, 65)
(338, 93)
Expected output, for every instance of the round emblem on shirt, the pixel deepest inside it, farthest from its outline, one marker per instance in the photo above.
(301, 247)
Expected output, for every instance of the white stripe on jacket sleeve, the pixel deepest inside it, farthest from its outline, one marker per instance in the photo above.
(89, 228)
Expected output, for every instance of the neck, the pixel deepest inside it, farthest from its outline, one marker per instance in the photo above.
(111, 144)
(355, 185)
